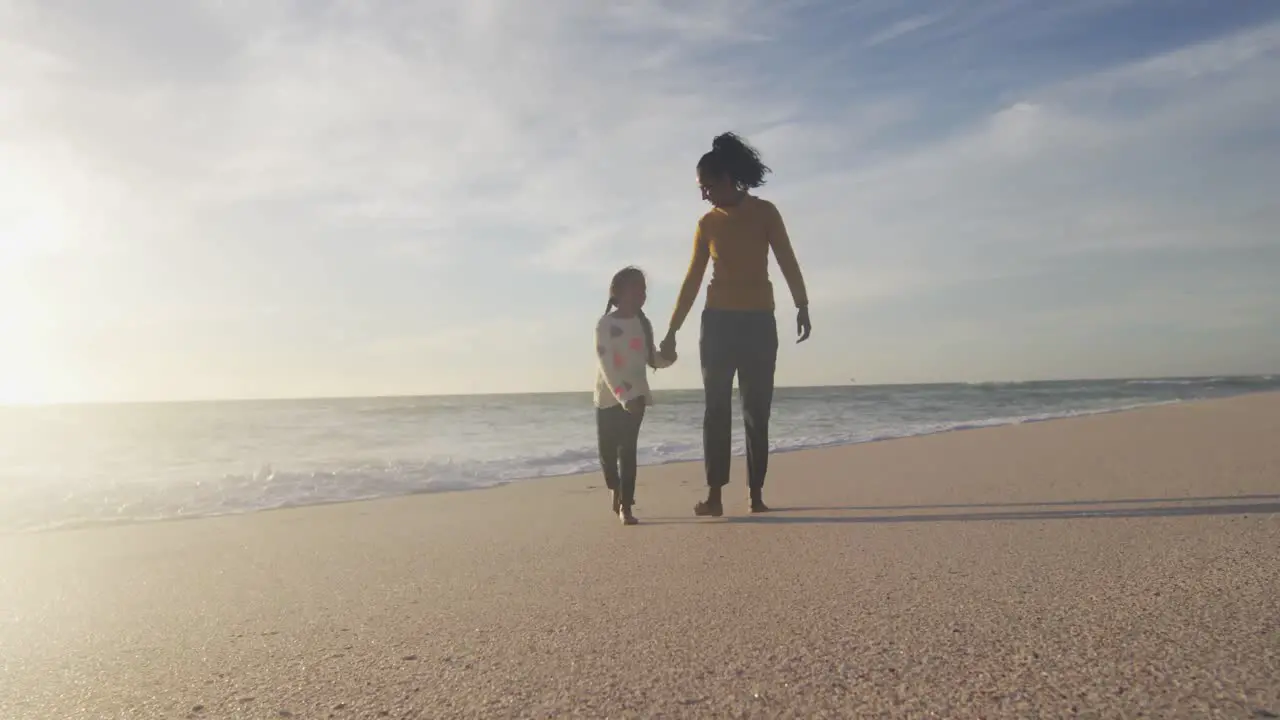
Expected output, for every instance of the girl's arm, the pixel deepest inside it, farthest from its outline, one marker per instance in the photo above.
(692, 281)
(786, 255)
(611, 359)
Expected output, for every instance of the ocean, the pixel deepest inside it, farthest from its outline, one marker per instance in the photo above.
(68, 466)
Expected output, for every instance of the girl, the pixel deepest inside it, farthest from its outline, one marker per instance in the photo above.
(739, 333)
(624, 347)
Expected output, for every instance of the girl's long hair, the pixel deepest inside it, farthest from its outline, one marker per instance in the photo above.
(621, 278)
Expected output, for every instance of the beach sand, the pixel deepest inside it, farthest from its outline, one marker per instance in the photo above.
(1121, 565)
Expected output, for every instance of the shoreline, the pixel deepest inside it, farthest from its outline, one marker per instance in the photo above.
(967, 425)
(962, 427)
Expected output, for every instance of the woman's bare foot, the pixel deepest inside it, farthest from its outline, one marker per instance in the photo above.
(706, 508)
(625, 516)
(757, 503)
(711, 507)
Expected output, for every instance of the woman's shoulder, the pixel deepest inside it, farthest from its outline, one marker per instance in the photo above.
(751, 204)
(763, 205)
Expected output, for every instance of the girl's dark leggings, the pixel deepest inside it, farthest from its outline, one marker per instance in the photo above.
(619, 434)
(742, 343)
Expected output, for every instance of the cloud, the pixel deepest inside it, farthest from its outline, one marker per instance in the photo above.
(267, 155)
(342, 182)
(1067, 169)
(902, 28)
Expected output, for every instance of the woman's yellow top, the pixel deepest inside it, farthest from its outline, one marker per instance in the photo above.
(737, 241)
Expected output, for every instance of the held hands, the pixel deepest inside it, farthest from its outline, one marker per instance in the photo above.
(668, 346)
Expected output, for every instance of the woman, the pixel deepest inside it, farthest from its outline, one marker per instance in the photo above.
(739, 333)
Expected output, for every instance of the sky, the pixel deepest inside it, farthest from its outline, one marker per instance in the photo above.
(275, 198)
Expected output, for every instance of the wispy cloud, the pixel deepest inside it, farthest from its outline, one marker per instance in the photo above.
(902, 28)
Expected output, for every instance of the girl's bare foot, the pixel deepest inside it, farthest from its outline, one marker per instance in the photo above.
(625, 516)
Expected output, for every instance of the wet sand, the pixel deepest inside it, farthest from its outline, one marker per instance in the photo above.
(1124, 565)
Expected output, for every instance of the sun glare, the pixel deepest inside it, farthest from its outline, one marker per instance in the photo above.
(22, 380)
(37, 221)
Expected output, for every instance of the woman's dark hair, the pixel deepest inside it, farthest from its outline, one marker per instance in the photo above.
(621, 278)
(732, 156)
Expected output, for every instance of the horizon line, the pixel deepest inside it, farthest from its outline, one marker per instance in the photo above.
(341, 398)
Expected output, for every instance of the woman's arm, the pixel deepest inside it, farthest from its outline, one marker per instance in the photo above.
(692, 281)
(786, 255)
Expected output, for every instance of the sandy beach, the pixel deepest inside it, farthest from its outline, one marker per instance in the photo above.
(1123, 565)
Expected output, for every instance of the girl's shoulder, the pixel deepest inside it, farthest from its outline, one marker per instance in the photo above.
(609, 320)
